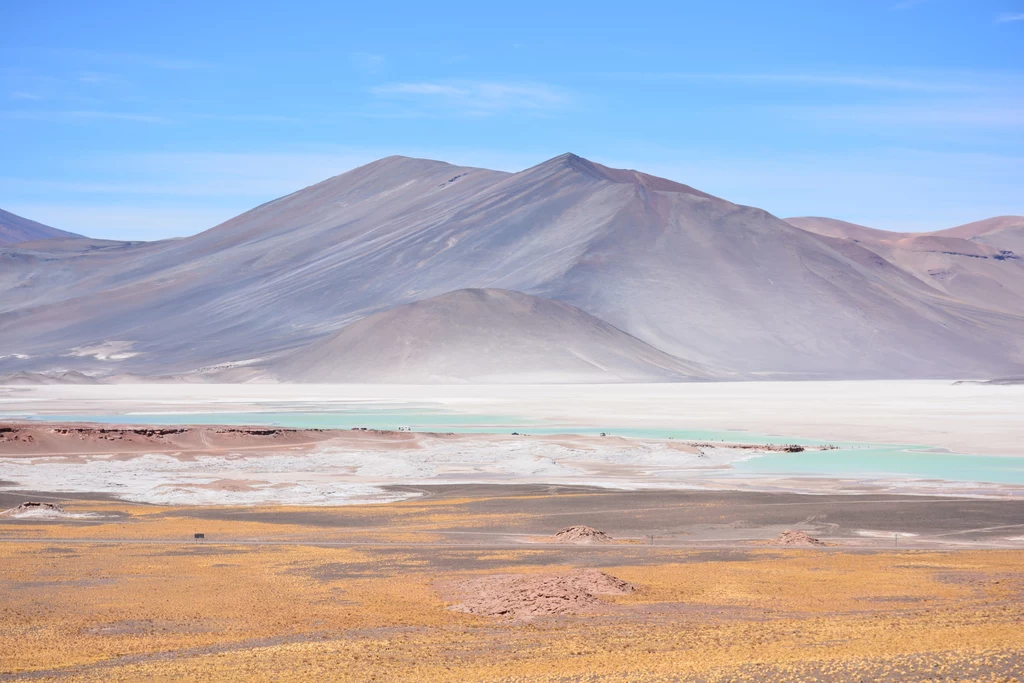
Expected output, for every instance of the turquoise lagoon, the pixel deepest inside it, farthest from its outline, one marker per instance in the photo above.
(847, 461)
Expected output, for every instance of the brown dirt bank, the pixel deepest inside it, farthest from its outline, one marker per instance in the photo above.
(50, 438)
(80, 439)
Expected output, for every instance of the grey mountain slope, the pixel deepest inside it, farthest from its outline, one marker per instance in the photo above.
(483, 336)
(981, 263)
(273, 278)
(694, 276)
(14, 229)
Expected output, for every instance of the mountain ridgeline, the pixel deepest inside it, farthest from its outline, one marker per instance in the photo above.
(15, 230)
(409, 270)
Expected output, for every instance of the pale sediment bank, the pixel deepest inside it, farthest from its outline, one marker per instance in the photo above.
(209, 465)
(217, 465)
(964, 418)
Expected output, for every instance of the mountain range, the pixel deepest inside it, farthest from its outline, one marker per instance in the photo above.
(420, 271)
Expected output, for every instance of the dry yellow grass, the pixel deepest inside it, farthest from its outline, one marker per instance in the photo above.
(85, 611)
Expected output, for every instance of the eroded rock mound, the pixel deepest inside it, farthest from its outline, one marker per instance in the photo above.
(582, 534)
(35, 509)
(529, 596)
(796, 538)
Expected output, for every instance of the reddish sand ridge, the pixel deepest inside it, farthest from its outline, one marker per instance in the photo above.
(796, 538)
(582, 534)
(527, 597)
(34, 440)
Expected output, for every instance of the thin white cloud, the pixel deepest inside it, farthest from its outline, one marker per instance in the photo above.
(907, 4)
(948, 114)
(98, 77)
(253, 118)
(24, 95)
(85, 116)
(130, 58)
(367, 61)
(477, 98)
(1006, 18)
(81, 116)
(924, 83)
(420, 89)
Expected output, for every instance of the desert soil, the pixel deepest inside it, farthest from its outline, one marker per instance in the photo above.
(372, 592)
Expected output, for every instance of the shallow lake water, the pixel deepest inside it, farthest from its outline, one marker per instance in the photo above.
(849, 460)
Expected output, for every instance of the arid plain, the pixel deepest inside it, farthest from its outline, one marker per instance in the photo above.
(365, 592)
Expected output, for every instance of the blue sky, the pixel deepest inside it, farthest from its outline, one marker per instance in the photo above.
(136, 120)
